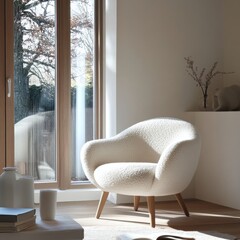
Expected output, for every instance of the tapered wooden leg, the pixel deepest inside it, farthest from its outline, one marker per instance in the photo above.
(182, 204)
(101, 203)
(151, 209)
(136, 202)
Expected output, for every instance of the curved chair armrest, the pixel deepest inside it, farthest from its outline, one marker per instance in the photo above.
(98, 152)
(178, 163)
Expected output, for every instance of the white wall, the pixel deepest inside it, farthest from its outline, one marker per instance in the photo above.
(146, 42)
(153, 37)
(231, 41)
(218, 174)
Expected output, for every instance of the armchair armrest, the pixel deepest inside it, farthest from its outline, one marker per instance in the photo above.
(97, 152)
(178, 163)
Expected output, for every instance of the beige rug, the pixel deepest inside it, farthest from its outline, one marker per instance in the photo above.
(131, 233)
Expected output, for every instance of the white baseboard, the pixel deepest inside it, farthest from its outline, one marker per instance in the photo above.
(122, 199)
(73, 195)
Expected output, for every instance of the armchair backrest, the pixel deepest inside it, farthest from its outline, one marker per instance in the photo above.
(157, 134)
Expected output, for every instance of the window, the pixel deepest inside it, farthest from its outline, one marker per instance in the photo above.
(52, 51)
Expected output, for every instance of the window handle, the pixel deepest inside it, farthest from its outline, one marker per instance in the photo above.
(9, 82)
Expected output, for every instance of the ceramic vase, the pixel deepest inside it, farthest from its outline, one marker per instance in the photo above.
(16, 191)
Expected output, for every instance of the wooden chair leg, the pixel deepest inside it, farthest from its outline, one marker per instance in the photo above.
(182, 204)
(101, 204)
(151, 209)
(136, 202)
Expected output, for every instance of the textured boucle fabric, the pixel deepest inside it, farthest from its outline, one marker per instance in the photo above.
(152, 158)
(126, 178)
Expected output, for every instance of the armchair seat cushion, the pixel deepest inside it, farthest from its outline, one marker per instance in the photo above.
(129, 178)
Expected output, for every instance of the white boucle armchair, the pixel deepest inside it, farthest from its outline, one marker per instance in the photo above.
(156, 157)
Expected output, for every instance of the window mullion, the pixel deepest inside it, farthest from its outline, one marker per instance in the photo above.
(63, 93)
(9, 74)
(2, 87)
(98, 62)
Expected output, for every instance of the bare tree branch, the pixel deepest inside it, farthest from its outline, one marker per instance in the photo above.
(41, 53)
(39, 19)
(35, 3)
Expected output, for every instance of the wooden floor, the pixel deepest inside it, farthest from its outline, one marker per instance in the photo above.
(204, 216)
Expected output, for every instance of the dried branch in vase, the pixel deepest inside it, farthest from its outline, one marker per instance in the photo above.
(202, 80)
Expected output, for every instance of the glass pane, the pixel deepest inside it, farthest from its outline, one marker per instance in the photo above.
(82, 49)
(34, 88)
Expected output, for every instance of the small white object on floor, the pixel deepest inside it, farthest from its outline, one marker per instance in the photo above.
(194, 234)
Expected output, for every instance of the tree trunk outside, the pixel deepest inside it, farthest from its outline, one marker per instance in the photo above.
(21, 86)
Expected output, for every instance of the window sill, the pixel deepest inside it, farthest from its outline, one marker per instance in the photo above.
(73, 195)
